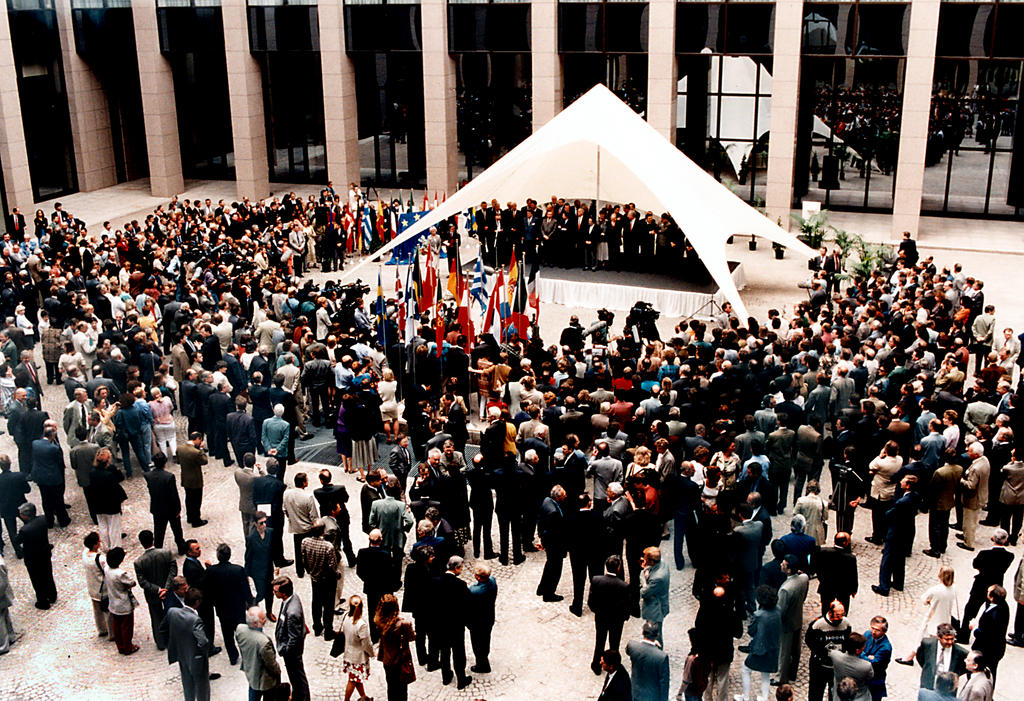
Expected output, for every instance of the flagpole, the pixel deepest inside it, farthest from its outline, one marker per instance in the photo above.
(598, 183)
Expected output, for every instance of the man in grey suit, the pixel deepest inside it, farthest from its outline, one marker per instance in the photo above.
(188, 645)
(393, 517)
(291, 636)
(654, 582)
(256, 653)
(940, 654)
(155, 569)
(792, 594)
(848, 664)
(748, 549)
(650, 666)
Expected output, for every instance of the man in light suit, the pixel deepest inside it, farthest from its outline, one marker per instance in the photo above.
(945, 689)
(76, 414)
(792, 594)
(275, 434)
(654, 583)
(940, 654)
(748, 543)
(290, 634)
(155, 570)
(188, 645)
(650, 666)
(393, 517)
(256, 653)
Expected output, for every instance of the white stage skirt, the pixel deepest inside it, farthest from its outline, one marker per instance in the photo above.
(673, 303)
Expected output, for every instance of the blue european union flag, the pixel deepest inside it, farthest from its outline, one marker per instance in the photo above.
(403, 252)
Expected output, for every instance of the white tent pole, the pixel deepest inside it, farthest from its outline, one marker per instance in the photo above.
(598, 182)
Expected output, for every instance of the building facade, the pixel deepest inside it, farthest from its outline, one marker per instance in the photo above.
(903, 108)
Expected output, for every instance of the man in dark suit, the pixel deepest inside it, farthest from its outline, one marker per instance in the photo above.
(219, 408)
(376, 568)
(269, 489)
(372, 491)
(227, 587)
(939, 654)
(483, 594)
(290, 636)
(189, 646)
(155, 570)
(204, 390)
(617, 685)
(48, 474)
(551, 525)
(837, 572)
(164, 502)
(586, 552)
(13, 488)
(194, 572)
(17, 224)
(451, 596)
(34, 540)
(990, 633)
(25, 375)
(117, 370)
(991, 565)
(16, 413)
(241, 431)
(609, 600)
(650, 670)
(189, 400)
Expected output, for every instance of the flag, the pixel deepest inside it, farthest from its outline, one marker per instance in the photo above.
(400, 301)
(466, 319)
(494, 304)
(513, 277)
(455, 283)
(439, 321)
(478, 290)
(381, 230)
(425, 204)
(532, 297)
(429, 282)
(415, 285)
(382, 313)
(517, 317)
(402, 253)
(347, 223)
(435, 199)
(412, 313)
(367, 240)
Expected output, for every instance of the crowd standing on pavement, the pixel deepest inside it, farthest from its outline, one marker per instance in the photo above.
(598, 449)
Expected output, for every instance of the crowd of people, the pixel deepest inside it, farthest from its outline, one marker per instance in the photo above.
(186, 348)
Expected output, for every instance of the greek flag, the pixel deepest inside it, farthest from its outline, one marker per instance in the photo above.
(478, 289)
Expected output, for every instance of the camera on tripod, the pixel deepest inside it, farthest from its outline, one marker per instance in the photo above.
(643, 318)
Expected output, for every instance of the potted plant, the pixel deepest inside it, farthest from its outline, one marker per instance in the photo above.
(812, 229)
(752, 243)
(779, 249)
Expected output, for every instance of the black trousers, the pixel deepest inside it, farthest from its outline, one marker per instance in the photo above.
(424, 636)
(974, 603)
(510, 523)
(53, 505)
(480, 639)
(893, 567)
(297, 676)
(318, 397)
(156, 616)
(40, 573)
(1011, 517)
(397, 689)
(609, 629)
(160, 524)
(372, 600)
(938, 530)
(297, 538)
(193, 504)
(819, 678)
(878, 524)
(483, 517)
(323, 604)
(11, 521)
(584, 566)
(227, 629)
(24, 456)
(1018, 622)
(552, 571)
(452, 648)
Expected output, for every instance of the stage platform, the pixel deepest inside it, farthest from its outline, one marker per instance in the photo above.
(605, 289)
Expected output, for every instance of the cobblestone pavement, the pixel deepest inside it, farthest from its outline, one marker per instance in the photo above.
(540, 651)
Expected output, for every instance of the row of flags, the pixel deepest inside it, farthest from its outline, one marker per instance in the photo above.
(502, 304)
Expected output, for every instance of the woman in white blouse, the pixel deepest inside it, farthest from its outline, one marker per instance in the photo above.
(941, 602)
(358, 648)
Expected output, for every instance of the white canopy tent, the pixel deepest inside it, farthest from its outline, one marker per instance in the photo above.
(599, 148)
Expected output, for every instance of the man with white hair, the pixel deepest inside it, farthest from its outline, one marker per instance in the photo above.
(256, 653)
(974, 490)
(275, 434)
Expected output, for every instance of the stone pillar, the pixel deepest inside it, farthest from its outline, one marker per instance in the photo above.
(546, 62)
(785, 92)
(159, 110)
(13, 151)
(245, 91)
(917, 100)
(90, 113)
(341, 122)
(439, 99)
(662, 68)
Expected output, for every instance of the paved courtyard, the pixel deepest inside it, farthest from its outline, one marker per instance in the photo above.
(540, 650)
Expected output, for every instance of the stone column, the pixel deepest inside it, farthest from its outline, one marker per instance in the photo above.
(159, 111)
(662, 68)
(90, 113)
(785, 91)
(439, 99)
(245, 91)
(546, 62)
(13, 151)
(917, 100)
(341, 122)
